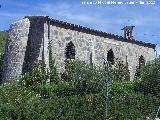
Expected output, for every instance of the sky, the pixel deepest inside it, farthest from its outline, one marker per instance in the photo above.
(109, 18)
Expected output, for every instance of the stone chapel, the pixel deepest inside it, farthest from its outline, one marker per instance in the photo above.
(29, 38)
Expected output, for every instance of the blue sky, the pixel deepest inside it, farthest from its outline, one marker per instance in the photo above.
(109, 18)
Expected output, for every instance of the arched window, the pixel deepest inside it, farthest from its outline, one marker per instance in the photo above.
(141, 60)
(90, 58)
(70, 51)
(110, 56)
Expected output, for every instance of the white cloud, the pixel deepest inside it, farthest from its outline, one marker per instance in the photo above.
(70, 13)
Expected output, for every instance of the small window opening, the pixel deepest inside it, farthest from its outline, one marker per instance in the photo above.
(110, 56)
(141, 60)
(70, 51)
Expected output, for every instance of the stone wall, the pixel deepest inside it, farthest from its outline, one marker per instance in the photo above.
(15, 49)
(28, 43)
(99, 46)
(35, 44)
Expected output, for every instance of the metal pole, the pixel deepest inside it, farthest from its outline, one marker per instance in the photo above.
(158, 112)
(106, 86)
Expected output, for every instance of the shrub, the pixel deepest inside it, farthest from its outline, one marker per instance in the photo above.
(38, 75)
(149, 79)
(54, 76)
(13, 101)
(3, 37)
(84, 77)
(1, 62)
(79, 96)
(126, 103)
(53, 69)
(119, 71)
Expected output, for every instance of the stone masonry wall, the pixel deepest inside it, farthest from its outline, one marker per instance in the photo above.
(28, 43)
(99, 46)
(35, 44)
(15, 49)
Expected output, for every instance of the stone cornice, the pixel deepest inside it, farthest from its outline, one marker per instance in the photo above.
(87, 30)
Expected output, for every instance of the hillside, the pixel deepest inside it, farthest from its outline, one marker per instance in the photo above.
(3, 37)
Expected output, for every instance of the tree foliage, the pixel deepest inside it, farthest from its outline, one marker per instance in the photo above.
(149, 79)
(3, 37)
(119, 71)
(84, 77)
(31, 97)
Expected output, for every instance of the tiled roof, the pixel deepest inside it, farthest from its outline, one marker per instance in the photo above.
(87, 30)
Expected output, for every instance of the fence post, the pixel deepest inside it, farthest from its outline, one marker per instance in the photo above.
(157, 114)
(106, 66)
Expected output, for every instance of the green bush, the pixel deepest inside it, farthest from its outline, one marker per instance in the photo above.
(38, 75)
(84, 77)
(127, 103)
(19, 102)
(119, 71)
(149, 79)
(79, 96)
(1, 61)
(54, 77)
(13, 101)
(3, 37)
(31, 97)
